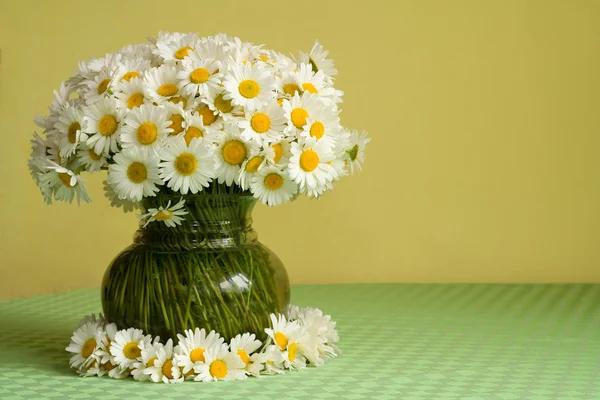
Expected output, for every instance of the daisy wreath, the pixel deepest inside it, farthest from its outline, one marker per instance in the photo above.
(184, 114)
(306, 337)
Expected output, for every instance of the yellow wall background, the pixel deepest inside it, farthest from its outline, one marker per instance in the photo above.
(484, 164)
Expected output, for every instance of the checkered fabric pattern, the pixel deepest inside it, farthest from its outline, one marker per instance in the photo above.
(398, 341)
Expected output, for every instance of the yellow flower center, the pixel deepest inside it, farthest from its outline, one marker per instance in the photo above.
(130, 75)
(93, 155)
(147, 133)
(278, 148)
(72, 132)
(208, 117)
(199, 75)
(176, 124)
(103, 86)
(281, 340)
(309, 160)
(179, 99)
(197, 355)
(167, 90)
(260, 122)
(109, 366)
(292, 352)
(223, 105)
(163, 215)
(167, 369)
(280, 102)
(152, 361)
(137, 172)
(182, 52)
(132, 350)
(317, 129)
(310, 88)
(244, 356)
(274, 181)
(65, 179)
(249, 89)
(290, 88)
(186, 164)
(191, 133)
(234, 152)
(218, 369)
(107, 125)
(88, 348)
(253, 164)
(264, 58)
(135, 100)
(299, 116)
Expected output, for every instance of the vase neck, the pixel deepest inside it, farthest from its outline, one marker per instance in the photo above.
(208, 222)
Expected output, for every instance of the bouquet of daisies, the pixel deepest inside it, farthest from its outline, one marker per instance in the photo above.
(305, 337)
(184, 114)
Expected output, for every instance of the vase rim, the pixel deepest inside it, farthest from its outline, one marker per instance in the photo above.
(198, 195)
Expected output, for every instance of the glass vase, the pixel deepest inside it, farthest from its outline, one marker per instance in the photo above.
(209, 272)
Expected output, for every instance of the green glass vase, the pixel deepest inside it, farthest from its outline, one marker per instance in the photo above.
(209, 272)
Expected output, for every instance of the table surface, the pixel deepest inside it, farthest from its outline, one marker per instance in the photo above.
(409, 341)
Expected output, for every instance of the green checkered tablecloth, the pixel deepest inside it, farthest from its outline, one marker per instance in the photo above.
(399, 341)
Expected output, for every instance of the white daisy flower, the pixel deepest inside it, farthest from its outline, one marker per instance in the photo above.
(130, 68)
(194, 346)
(286, 335)
(131, 94)
(309, 167)
(209, 117)
(115, 201)
(322, 337)
(103, 123)
(299, 109)
(88, 157)
(176, 114)
(245, 346)
(187, 168)
(135, 52)
(146, 128)
(165, 369)
(195, 129)
(308, 80)
(149, 356)
(250, 167)
(212, 48)
(126, 347)
(101, 86)
(279, 153)
(52, 148)
(356, 151)
(221, 107)
(84, 343)
(322, 125)
(199, 76)
(264, 125)
(272, 360)
(231, 152)
(37, 159)
(272, 186)
(161, 82)
(317, 58)
(64, 183)
(176, 46)
(68, 126)
(93, 318)
(94, 369)
(250, 86)
(220, 364)
(134, 175)
(171, 216)
(107, 360)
